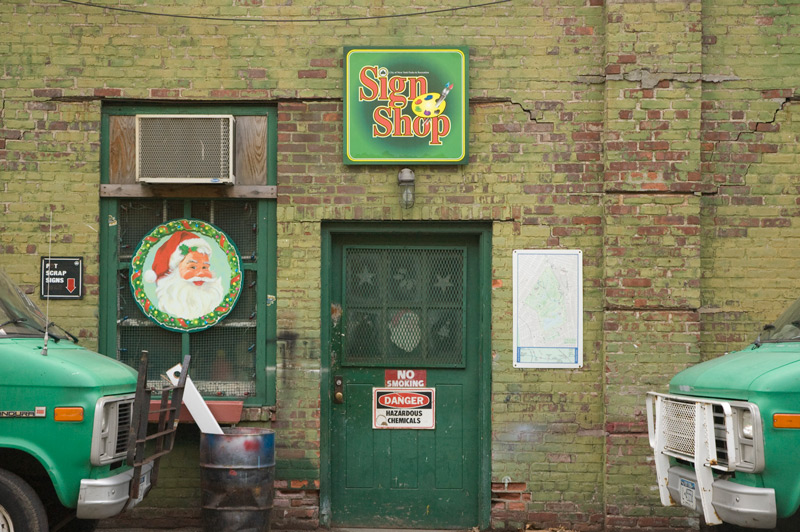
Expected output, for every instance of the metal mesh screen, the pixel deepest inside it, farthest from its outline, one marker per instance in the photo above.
(404, 306)
(184, 146)
(137, 218)
(237, 219)
(679, 427)
(223, 356)
(245, 309)
(226, 364)
(164, 347)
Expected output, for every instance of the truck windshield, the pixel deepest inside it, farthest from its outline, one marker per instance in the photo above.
(19, 316)
(786, 328)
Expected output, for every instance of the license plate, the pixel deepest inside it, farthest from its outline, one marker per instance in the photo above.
(144, 483)
(687, 490)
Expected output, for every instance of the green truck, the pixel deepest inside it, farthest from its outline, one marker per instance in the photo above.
(65, 426)
(726, 436)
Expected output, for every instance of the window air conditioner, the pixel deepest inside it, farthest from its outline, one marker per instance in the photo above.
(184, 149)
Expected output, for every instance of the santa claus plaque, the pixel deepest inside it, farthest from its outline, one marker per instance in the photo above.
(186, 275)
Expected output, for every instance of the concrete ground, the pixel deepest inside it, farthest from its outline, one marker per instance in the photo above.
(195, 529)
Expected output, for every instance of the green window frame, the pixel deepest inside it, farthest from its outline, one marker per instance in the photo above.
(249, 333)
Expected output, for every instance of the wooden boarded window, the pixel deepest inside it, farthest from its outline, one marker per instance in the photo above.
(250, 160)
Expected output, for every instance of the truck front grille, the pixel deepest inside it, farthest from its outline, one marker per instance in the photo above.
(112, 422)
(679, 425)
(123, 426)
(719, 436)
(725, 435)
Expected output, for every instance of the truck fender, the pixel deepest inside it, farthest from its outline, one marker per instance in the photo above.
(67, 494)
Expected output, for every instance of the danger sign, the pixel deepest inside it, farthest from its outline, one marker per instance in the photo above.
(403, 408)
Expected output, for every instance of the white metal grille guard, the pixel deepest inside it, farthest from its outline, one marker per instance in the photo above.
(705, 458)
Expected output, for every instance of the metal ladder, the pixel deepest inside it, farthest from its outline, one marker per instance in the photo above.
(163, 438)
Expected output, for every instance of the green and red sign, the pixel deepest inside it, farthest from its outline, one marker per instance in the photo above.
(186, 275)
(406, 105)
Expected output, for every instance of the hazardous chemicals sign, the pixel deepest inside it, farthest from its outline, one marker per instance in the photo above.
(403, 408)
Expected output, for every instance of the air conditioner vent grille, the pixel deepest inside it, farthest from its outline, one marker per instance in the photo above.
(181, 149)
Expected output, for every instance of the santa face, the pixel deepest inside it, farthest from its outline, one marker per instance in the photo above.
(195, 265)
(190, 290)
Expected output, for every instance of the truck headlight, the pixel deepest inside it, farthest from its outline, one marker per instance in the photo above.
(747, 424)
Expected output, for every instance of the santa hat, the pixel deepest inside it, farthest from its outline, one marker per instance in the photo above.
(172, 252)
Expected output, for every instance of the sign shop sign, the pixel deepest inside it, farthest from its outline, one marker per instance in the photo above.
(403, 408)
(406, 105)
(186, 275)
(62, 278)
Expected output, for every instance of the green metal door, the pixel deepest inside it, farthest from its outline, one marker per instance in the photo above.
(405, 303)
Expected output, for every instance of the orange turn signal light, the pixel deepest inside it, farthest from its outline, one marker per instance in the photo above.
(786, 421)
(68, 413)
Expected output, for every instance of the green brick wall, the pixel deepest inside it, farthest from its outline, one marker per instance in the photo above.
(659, 137)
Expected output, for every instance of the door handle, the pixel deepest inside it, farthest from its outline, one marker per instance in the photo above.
(338, 389)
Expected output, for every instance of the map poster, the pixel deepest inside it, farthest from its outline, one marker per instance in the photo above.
(548, 308)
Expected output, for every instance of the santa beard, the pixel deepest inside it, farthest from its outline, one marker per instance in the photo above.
(182, 298)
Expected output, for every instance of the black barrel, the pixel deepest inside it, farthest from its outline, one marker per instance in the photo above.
(237, 479)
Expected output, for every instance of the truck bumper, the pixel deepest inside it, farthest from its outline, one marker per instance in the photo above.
(107, 497)
(736, 504)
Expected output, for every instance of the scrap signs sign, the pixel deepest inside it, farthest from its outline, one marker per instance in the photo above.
(406, 105)
(403, 408)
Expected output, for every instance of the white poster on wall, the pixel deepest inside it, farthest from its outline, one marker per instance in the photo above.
(548, 308)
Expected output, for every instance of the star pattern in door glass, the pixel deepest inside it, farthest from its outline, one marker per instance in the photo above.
(365, 276)
(443, 282)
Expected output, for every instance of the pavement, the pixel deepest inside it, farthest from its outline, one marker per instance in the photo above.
(182, 529)
(195, 529)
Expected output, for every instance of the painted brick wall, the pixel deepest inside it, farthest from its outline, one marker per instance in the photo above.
(48, 194)
(660, 137)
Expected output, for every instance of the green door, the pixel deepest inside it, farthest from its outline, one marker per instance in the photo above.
(403, 303)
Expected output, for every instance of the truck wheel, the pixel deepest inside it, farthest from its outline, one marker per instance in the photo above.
(21, 510)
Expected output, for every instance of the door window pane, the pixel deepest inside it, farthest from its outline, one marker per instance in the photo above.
(404, 306)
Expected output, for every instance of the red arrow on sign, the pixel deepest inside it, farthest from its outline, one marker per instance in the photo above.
(71, 285)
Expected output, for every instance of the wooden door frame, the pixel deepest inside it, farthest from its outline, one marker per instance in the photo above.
(483, 231)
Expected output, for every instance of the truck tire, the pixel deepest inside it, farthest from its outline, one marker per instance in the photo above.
(21, 510)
